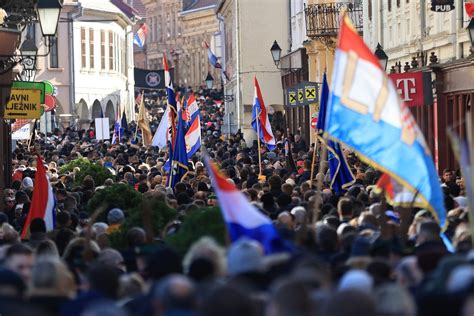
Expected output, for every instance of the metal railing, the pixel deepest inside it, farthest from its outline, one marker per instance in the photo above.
(322, 20)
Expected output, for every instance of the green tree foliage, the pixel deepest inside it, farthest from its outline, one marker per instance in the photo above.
(119, 195)
(97, 172)
(152, 213)
(198, 223)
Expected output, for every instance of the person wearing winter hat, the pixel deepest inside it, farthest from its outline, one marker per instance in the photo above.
(27, 183)
(244, 256)
(115, 218)
(358, 280)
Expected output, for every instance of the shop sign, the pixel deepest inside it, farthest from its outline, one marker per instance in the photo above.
(442, 5)
(414, 88)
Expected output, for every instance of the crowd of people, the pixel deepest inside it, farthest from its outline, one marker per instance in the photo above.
(354, 254)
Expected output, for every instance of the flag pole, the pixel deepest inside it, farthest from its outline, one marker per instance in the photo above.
(258, 142)
(31, 140)
(322, 158)
(139, 110)
(313, 162)
(470, 195)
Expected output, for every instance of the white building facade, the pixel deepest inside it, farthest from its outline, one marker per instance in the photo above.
(92, 63)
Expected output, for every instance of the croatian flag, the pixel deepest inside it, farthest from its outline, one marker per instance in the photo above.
(260, 118)
(214, 62)
(242, 218)
(395, 193)
(212, 58)
(172, 104)
(140, 36)
(43, 203)
(366, 114)
(193, 122)
(117, 130)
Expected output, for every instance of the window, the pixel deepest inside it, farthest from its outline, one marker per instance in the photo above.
(91, 48)
(53, 56)
(116, 53)
(83, 48)
(124, 56)
(398, 3)
(102, 50)
(389, 2)
(111, 50)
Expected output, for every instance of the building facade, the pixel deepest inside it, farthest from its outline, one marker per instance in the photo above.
(164, 35)
(96, 75)
(417, 39)
(199, 25)
(247, 36)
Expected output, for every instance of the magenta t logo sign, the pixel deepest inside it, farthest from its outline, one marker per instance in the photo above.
(405, 88)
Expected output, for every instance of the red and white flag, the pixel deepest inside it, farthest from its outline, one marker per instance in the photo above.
(43, 203)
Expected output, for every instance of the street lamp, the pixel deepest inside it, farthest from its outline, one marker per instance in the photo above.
(48, 16)
(209, 81)
(29, 51)
(470, 33)
(382, 56)
(276, 53)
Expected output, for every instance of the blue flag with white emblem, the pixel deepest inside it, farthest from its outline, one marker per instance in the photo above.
(366, 114)
(341, 175)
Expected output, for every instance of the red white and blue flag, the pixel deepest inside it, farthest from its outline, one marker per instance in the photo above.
(366, 114)
(193, 122)
(43, 202)
(140, 36)
(215, 63)
(242, 218)
(260, 120)
(118, 129)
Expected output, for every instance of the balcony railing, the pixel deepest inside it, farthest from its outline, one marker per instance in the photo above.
(322, 20)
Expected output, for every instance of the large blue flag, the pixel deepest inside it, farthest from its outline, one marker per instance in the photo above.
(366, 114)
(179, 158)
(341, 175)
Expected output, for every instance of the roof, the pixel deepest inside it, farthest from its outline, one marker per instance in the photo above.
(138, 6)
(112, 6)
(198, 4)
(125, 8)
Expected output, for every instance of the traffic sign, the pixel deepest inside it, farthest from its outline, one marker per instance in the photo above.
(292, 97)
(23, 104)
(310, 93)
(28, 85)
(300, 95)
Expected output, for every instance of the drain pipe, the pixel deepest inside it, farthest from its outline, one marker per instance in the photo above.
(72, 74)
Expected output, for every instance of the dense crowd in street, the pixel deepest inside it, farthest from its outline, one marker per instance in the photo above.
(354, 254)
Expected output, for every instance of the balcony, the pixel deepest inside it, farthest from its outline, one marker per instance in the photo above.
(322, 20)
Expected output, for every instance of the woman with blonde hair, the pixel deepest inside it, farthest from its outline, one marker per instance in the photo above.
(51, 285)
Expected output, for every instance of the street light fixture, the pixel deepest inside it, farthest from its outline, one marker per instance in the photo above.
(470, 33)
(382, 56)
(29, 51)
(48, 16)
(276, 52)
(209, 81)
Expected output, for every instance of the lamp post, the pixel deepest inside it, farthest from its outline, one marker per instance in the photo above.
(276, 53)
(209, 81)
(19, 15)
(382, 56)
(470, 33)
(48, 15)
(29, 51)
(225, 98)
